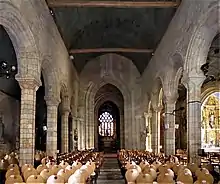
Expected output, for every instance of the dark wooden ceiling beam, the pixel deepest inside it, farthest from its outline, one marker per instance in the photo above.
(100, 50)
(119, 4)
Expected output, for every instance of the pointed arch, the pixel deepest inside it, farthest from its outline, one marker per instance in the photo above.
(201, 39)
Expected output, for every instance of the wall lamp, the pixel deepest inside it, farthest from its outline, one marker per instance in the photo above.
(7, 70)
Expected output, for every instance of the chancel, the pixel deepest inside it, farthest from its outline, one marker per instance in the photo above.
(110, 91)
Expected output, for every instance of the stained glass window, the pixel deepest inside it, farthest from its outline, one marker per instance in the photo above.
(106, 127)
(211, 121)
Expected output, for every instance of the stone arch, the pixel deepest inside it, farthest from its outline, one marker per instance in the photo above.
(149, 109)
(90, 96)
(201, 40)
(116, 97)
(93, 88)
(158, 85)
(171, 83)
(51, 79)
(108, 69)
(160, 97)
(209, 90)
(23, 40)
(63, 90)
(177, 60)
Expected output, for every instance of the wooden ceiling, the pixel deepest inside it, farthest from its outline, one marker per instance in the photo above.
(129, 28)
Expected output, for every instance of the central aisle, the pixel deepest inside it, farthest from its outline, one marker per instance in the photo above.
(110, 172)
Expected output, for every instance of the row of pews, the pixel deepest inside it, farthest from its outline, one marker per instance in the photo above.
(81, 167)
(142, 167)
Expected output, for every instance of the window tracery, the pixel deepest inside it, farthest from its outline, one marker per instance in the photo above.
(106, 127)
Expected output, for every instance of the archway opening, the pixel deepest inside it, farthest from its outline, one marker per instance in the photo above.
(109, 119)
(10, 95)
(210, 130)
(210, 109)
(109, 127)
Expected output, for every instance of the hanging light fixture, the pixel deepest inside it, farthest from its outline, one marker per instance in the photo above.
(7, 70)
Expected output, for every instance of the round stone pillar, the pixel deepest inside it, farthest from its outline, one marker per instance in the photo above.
(156, 129)
(148, 117)
(27, 119)
(169, 142)
(194, 119)
(81, 134)
(74, 133)
(140, 127)
(52, 109)
(65, 131)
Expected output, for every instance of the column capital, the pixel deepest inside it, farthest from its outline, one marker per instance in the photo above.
(195, 79)
(52, 101)
(171, 99)
(28, 83)
(74, 118)
(157, 108)
(147, 114)
(139, 116)
(80, 119)
(65, 111)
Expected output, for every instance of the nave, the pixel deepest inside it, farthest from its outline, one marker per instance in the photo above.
(79, 78)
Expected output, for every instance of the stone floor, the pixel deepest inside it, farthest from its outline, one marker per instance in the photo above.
(110, 172)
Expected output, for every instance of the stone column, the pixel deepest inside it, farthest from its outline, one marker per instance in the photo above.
(27, 119)
(156, 129)
(81, 134)
(169, 141)
(194, 84)
(92, 135)
(74, 128)
(141, 127)
(148, 117)
(79, 144)
(52, 109)
(65, 131)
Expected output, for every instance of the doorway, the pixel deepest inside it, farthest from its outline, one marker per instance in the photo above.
(108, 127)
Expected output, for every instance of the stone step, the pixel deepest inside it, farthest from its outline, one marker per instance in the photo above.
(110, 170)
(110, 177)
(103, 174)
(110, 182)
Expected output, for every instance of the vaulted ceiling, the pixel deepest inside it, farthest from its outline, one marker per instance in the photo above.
(109, 27)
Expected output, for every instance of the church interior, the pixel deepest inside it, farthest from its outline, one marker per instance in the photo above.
(110, 92)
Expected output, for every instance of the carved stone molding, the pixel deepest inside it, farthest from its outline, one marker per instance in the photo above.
(52, 101)
(29, 83)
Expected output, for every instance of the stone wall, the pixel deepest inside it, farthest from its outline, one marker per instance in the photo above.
(120, 72)
(10, 110)
(171, 54)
